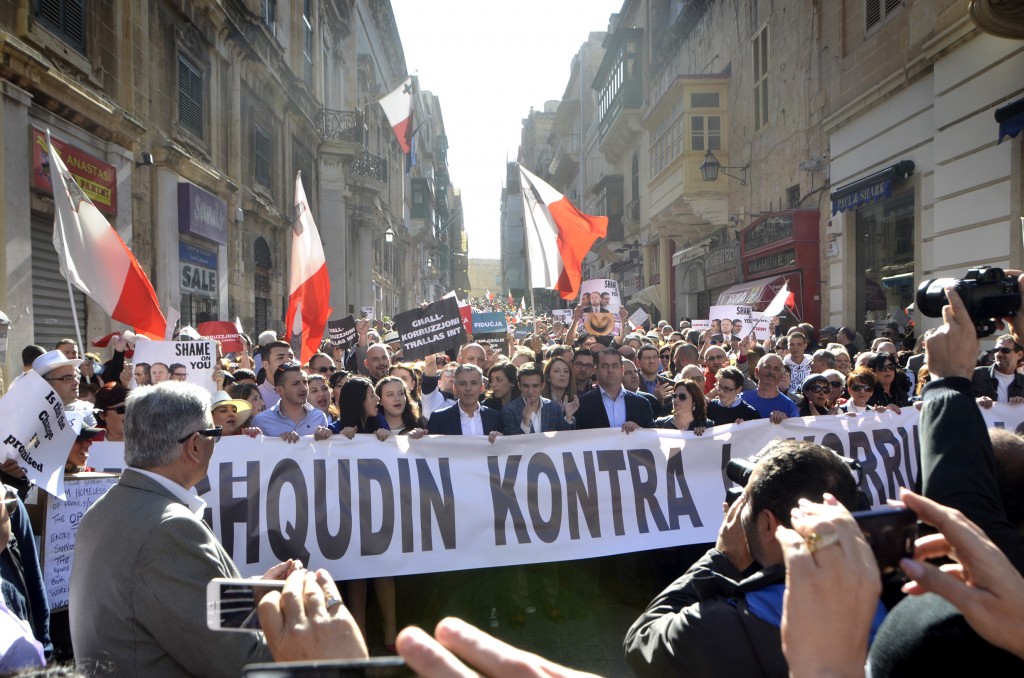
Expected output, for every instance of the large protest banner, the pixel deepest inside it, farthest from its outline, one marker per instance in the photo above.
(196, 359)
(365, 508)
(431, 329)
(36, 432)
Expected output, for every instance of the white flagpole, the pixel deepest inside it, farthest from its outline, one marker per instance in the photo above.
(67, 254)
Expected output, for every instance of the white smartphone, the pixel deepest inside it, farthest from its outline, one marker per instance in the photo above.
(231, 603)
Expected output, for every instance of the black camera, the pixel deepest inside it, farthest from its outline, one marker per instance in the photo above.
(987, 292)
(739, 471)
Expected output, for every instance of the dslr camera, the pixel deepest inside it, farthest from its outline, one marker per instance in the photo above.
(987, 292)
(739, 471)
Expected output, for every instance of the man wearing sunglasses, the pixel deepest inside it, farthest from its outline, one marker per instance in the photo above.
(143, 555)
(1001, 382)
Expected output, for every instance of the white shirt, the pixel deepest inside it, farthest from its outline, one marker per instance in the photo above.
(189, 498)
(472, 424)
(534, 423)
(1003, 382)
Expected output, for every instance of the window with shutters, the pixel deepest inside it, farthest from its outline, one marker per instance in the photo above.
(190, 97)
(307, 41)
(64, 18)
(262, 156)
(760, 47)
(877, 12)
(268, 8)
(264, 263)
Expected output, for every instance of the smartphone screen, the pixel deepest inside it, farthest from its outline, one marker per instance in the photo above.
(231, 603)
(891, 532)
(375, 667)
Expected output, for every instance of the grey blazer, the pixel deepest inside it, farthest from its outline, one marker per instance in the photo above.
(552, 417)
(137, 602)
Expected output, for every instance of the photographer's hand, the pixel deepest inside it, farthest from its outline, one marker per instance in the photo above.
(1016, 323)
(952, 351)
(732, 541)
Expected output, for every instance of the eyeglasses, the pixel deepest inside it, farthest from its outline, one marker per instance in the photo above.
(10, 499)
(67, 378)
(860, 388)
(212, 433)
(835, 384)
(326, 370)
(816, 389)
(725, 389)
(1004, 350)
(682, 396)
(587, 366)
(120, 409)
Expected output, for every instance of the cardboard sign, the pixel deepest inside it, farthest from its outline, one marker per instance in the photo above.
(195, 359)
(225, 332)
(36, 432)
(60, 527)
(487, 325)
(600, 301)
(434, 328)
(639, 317)
(342, 332)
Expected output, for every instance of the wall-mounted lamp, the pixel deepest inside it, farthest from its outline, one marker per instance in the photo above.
(147, 160)
(710, 168)
(389, 235)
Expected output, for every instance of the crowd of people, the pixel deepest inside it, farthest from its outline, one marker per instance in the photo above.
(761, 601)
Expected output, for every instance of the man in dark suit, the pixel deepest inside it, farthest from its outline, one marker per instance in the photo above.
(530, 413)
(467, 416)
(609, 405)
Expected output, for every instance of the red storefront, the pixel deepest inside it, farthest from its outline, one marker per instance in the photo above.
(780, 247)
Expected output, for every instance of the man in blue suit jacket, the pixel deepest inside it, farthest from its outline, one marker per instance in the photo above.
(609, 405)
(530, 413)
(467, 416)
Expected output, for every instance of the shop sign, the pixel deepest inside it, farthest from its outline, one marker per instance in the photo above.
(769, 231)
(771, 262)
(198, 268)
(720, 267)
(202, 213)
(97, 179)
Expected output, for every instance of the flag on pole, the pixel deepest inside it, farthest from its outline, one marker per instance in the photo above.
(522, 304)
(309, 289)
(558, 236)
(94, 259)
(398, 108)
(490, 296)
(511, 299)
(779, 302)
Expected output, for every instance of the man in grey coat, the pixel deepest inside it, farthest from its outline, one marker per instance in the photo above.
(143, 555)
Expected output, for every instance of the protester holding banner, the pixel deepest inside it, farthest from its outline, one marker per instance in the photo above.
(768, 400)
(533, 413)
(398, 412)
(860, 384)
(502, 385)
(467, 416)
(359, 410)
(250, 393)
(892, 388)
(689, 409)
(610, 405)
(559, 381)
(232, 415)
(816, 391)
(729, 407)
(291, 416)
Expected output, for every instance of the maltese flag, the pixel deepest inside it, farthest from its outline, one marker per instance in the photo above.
(309, 289)
(398, 108)
(558, 236)
(94, 259)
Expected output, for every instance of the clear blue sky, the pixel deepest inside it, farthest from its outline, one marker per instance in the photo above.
(489, 62)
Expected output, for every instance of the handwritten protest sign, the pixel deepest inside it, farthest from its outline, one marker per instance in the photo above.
(36, 432)
(60, 527)
(431, 329)
(342, 332)
(194, 359)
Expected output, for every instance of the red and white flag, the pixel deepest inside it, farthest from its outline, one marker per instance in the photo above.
(309, 289)
(94, 259)
(558, 237)
(398, 108)
(511, 299)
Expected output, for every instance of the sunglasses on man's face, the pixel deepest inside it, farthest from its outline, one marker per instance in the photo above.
(120, 409)
(211, 433)
(1004, 350)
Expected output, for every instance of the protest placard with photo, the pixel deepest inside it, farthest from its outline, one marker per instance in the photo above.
(342, 332)
(191, 361)
(367, 312)
(434, 328)
(730, 320)
(562, 315)
(600, 300)
(36, 432)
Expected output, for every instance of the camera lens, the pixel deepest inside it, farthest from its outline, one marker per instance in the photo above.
(931, 296)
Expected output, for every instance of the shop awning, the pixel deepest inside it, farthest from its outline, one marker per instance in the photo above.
(756, 293)
(1011, 119)
(869, 189)
(648, 296)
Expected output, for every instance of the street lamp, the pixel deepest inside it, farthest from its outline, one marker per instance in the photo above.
(389, 235)
(710, 168)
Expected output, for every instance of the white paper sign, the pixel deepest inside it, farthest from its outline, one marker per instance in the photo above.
(195, 359)
(367, 312)
(36, 432)
(638, 317)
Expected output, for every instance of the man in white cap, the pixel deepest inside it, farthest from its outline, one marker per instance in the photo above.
(62, 374)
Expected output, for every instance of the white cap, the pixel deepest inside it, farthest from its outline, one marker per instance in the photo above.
(51, 360)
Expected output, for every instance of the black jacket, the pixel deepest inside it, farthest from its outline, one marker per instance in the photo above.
(592, 414)
(701, 626)
(984, 383)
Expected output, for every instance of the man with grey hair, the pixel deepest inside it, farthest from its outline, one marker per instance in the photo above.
(143, 555)
(467, 416)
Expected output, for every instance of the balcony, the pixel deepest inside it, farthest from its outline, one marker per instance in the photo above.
(370, 171)
(565, 164)
(620, 86)
(345, 129)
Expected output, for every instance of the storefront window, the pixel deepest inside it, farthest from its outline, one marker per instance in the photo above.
(885, 263)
